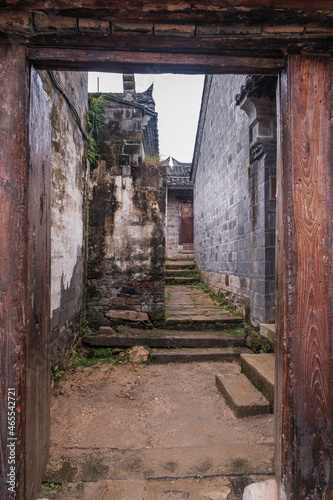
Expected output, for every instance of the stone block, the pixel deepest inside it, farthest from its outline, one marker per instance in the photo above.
(93, 26)
(126, 170)
(112, 125)
(174, 30)
(267, 490)
(288, 30)
(45, 23)
(130, 125)
(132, 28)
(260, 369)
(118, 302)
(242, 397)
(268, 330)
(132, 149)
(15, 21)
(124, 159)
(138, 354)
(106, 330)
(219, 30)
(324, 31)
(127, 316)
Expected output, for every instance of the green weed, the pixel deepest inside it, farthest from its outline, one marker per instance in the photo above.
(58, 374)
(122, 327)
(95, 121)
(220, 299)
(152, 161)
(51, 487)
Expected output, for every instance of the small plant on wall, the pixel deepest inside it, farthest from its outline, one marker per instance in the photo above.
(95, 122)
(152, 161)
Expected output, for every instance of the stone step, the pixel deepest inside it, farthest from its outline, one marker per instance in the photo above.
(194, 355)
(180, 264)
(186, 273)
(183, 256)
(203, 322)
(242, 397)
(161, 463)
(161, 338)
(181, 280)
(260, 369)
(268, 330)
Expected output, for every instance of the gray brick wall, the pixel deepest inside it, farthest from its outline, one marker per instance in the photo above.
(234, 222)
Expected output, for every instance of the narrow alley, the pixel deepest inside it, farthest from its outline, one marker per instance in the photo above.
(159, 428)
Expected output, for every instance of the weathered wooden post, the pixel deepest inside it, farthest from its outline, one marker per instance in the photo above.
(304, 368)
(24, 276)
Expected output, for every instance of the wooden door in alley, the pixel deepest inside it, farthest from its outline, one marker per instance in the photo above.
(186, 224)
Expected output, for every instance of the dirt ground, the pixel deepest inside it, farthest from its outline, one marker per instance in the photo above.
(134, 426)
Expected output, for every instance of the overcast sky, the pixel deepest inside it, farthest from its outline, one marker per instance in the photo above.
(178, 100)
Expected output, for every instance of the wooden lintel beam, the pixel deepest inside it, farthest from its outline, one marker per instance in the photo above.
(63, 5)
(150, 62)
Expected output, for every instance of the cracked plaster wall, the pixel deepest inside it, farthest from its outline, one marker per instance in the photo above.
(126, 260)
(68, 211)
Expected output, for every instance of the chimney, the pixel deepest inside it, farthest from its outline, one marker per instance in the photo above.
(129, 87)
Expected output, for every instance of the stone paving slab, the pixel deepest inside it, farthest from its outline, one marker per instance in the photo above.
(216, 488)
(204, 311)
(161, 463)
(242, 397)
(191, 308)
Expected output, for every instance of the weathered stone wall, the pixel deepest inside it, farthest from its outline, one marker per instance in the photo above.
(68, 212)
(126, 259)
(234, 221)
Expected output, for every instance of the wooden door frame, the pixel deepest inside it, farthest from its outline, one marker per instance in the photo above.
(288, 354)
(180, 203)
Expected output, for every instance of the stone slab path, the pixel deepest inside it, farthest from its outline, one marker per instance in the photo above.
(165, 423)
(149, 432)
(191, 308)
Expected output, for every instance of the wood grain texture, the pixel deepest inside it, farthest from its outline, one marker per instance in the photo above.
(14, 82)
(304, 396)
(63, 5)
(127, 62)
(24, 271)
(38, 373)
(221, 45)
(246, 48)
